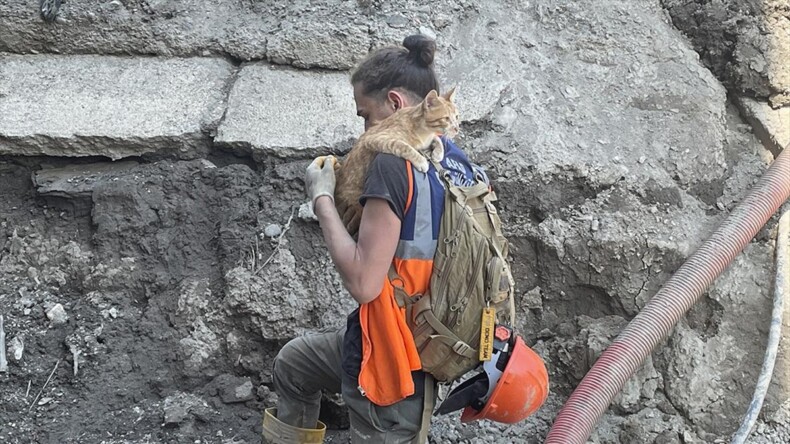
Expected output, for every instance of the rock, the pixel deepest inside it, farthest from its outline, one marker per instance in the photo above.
(261, 115)
(17, 347)
(127, 107)
(57, 315)
(318, 43)
(306, 213)
(207, 164)
(268, 397)
(274, 302)
(198, 349)
(272, 230)
(426, 31)
(75, 181)
(178, 408)
(234, 389)
(114, 5)
(231, 389)
(397, 21)
(532, 300)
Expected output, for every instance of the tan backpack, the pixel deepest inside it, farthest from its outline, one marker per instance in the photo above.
(470, 275)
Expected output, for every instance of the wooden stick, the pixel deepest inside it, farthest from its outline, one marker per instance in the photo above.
(45, 386)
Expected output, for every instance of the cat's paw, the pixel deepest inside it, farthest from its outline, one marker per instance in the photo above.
(437, 150)
(437, 155)
(421, 164)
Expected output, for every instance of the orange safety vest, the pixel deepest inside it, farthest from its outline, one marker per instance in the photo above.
(388, 351)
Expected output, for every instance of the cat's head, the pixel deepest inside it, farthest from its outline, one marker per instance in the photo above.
(441, 114)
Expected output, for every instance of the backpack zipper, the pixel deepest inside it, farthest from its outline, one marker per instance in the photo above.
(492, 269)
(450, 250)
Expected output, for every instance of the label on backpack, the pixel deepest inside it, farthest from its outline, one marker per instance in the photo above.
(487, 333)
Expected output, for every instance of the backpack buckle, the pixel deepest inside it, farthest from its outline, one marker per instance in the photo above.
(462, 348)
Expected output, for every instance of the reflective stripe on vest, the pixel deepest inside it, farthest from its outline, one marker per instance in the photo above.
(423, 245)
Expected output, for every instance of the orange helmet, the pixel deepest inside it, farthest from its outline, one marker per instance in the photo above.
(513, 386)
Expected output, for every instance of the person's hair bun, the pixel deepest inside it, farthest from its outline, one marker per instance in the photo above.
(421, 48)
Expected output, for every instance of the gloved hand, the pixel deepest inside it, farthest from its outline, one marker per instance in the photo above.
(320, 178)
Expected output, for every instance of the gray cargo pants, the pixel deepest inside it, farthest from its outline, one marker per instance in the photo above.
(310, 363)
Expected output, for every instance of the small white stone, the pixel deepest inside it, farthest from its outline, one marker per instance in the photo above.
(426, 31)
(207, 164)
(57, 315)
(113, 312)
(17, 346)
(306, 212)
(272, 230)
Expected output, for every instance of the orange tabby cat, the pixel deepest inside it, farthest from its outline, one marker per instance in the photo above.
(406, 133)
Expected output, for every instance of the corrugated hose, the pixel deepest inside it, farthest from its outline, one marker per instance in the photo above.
(577, 418)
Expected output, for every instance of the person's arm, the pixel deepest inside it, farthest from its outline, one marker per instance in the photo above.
(363, 264)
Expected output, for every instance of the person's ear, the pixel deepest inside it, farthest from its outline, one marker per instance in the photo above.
(396, 100)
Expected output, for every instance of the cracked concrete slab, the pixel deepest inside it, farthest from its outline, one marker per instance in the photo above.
(282, 112)
(329, 34)
(182, 28)
(323, 44)
(109, 106)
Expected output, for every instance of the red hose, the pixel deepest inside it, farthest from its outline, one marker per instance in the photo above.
(576, 420)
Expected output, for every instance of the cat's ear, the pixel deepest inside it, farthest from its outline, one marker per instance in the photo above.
(450, 95)
(431, 99)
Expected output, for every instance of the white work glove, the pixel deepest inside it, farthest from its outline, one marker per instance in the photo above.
(320, 178)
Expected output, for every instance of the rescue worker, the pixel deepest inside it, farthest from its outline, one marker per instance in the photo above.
(373, 361)
(388, 397)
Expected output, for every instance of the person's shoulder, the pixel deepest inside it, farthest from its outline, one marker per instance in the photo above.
(387, 161)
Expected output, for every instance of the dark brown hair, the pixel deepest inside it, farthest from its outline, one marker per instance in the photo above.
(409, 67)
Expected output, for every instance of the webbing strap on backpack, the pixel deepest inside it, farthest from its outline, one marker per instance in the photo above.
(470, 274)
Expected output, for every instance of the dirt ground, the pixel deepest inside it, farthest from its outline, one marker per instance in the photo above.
(116, 274)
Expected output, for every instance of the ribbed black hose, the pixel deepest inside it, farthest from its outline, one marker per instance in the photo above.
(592, 397)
